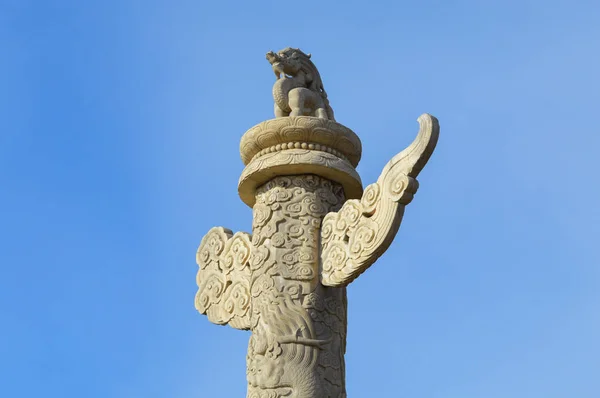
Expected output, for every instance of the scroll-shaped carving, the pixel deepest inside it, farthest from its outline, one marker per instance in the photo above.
(355, 236)
(224, 277)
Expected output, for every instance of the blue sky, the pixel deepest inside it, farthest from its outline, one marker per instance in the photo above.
(119, 130)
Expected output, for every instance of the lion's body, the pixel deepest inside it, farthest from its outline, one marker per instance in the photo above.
(298, 90)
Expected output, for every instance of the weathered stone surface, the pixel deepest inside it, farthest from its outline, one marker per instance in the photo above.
(303, 133)
(299, 89)
(314, 231)
(299, 145)
(353, 238)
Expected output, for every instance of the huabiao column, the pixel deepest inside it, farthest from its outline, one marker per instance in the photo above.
(314, 231)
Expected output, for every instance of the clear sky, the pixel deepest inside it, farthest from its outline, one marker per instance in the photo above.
(119, 130)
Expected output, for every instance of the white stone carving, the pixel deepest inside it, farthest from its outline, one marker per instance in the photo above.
(298, 90)
(314, 231)
(354, 237)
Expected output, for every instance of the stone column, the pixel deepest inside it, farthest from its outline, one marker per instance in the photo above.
(298, 325)
(295, 174)
(314, 231)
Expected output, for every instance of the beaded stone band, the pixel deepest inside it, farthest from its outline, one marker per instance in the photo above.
(301, 129)
(299, 145)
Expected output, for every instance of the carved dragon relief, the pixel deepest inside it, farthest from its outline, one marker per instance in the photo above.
(269, 283)
(286, 282)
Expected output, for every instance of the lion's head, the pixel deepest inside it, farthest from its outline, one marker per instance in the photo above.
(288, 62)
(292, 63)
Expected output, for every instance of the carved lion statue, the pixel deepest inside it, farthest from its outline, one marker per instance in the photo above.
(298, 90)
